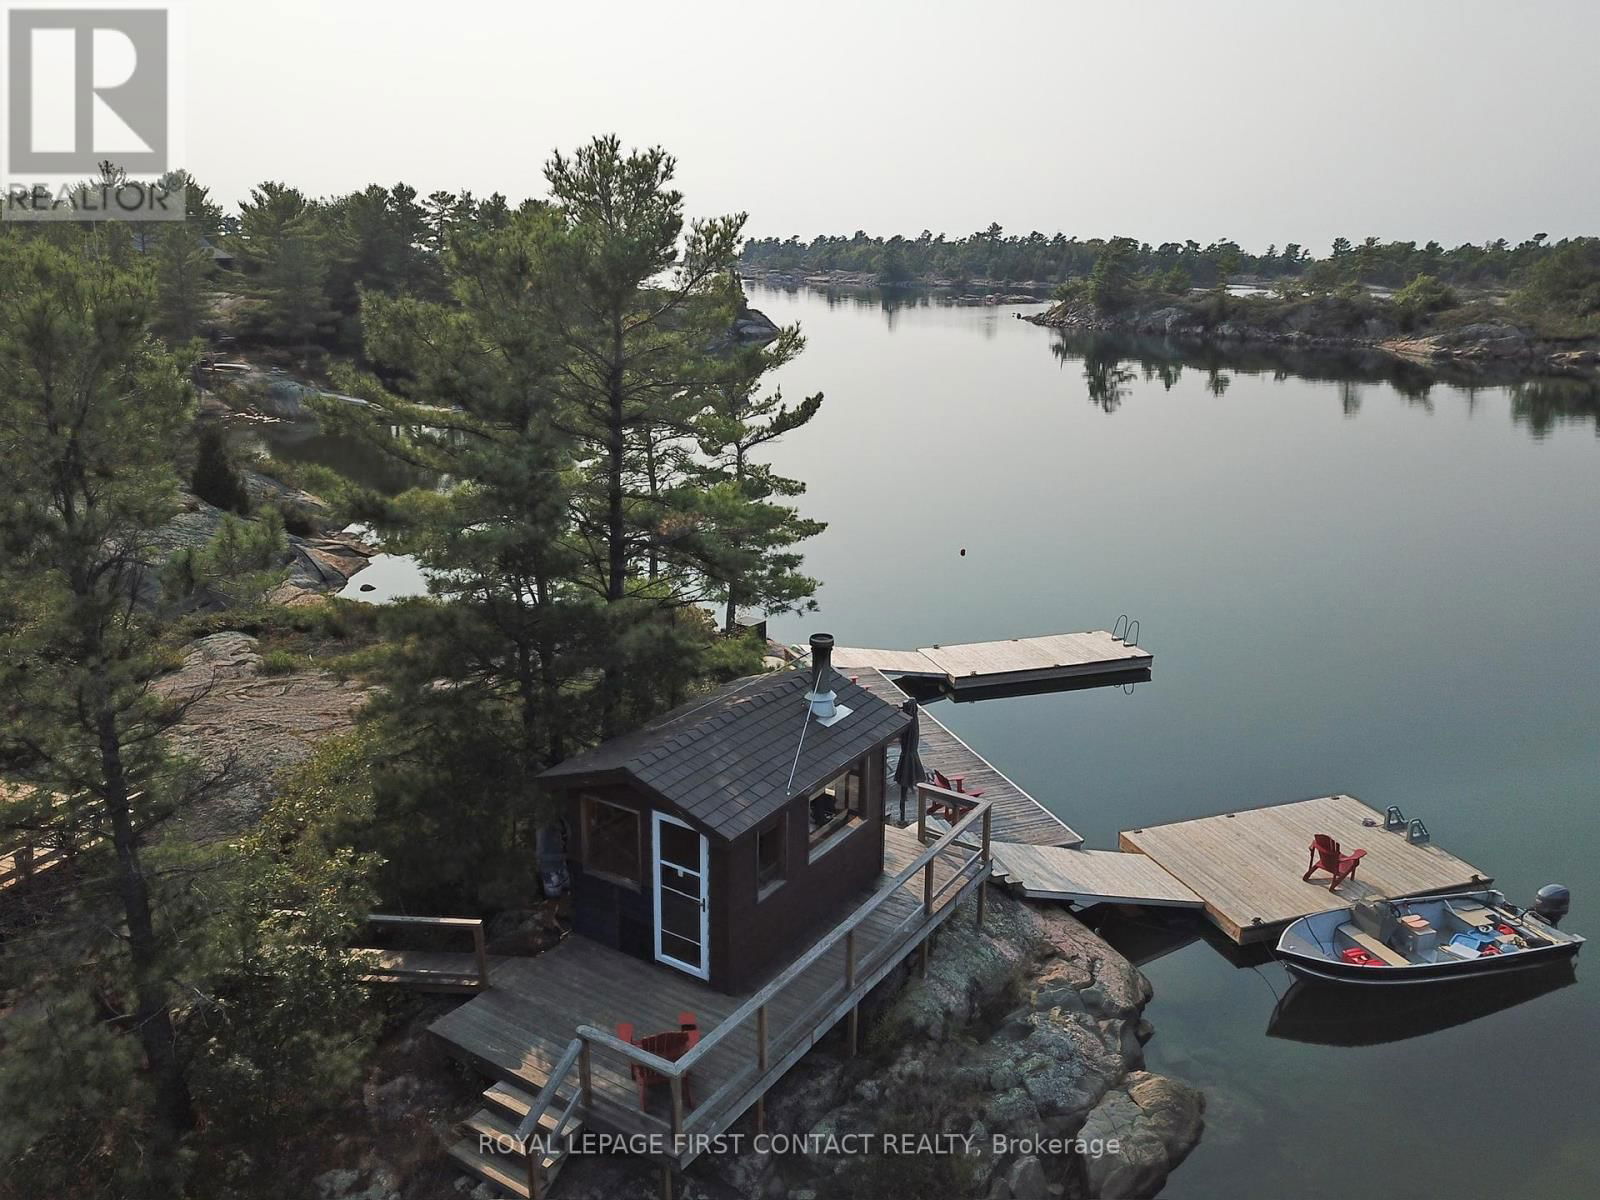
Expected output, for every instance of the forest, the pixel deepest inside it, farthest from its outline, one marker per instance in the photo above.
(1561, 276)
(177, 1008)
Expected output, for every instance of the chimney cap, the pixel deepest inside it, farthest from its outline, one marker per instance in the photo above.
(822, 641)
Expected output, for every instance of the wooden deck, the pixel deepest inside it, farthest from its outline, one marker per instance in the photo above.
(1247, 865)
(1017, 816)
(522, 1028)
(894, 662)
(27, 856)
(1037, 659)
(1016, 662)
(423, 970)
(1088, 876)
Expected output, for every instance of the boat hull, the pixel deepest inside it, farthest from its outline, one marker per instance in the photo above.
(1308, 946)
(1310, 967)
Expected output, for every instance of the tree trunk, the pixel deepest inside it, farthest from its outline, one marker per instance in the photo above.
(174, 1110)
(617, 566)
(654, 568)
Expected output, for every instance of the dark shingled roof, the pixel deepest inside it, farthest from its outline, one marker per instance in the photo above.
(724, 759)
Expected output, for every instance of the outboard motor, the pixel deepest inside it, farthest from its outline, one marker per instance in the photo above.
(1552, 903)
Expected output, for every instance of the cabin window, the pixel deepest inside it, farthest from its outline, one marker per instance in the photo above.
(837, 807)
(611, 841)
(770, 847)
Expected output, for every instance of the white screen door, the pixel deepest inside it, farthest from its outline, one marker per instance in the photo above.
(683, 918)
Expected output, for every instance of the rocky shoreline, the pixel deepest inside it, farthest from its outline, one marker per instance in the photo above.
(1023, 1049)
(1478, 342)
(968, 291)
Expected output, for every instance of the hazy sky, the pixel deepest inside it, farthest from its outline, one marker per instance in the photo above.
(1260, 120)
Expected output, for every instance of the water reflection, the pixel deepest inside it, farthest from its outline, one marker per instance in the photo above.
(1329, 1015)
(306, 442)
(1111, 362)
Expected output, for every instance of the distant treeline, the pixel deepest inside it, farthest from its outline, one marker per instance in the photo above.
(992, 255)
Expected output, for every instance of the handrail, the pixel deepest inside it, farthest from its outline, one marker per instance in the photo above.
(547, 1094)
(480, 948)
(447, 922)
(748, 1009)
(638, 1054)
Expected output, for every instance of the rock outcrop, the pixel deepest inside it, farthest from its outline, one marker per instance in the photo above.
(243, 727)
(315, 566)
(1325, 323)
(1022, 1047)
(752, 325)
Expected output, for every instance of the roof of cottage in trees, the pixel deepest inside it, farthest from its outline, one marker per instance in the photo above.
(725, 760)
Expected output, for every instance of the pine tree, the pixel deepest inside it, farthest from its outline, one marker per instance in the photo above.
(632, 323)
(90, 411)
(283, 243)
(184, 268)
(749, 537)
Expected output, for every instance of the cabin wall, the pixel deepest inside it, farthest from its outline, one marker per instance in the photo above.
(753, 936)
(610, 912)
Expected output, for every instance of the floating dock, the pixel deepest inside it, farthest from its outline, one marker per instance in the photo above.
(1016, 816)
(1088, 876)
(1246, 866)
(1015, 663)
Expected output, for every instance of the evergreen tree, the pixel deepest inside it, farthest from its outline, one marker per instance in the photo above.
(284, 246)
(184, 267)
(750, 536)
(158, 981)
(216, 478)
(632, 323)
(90, 410)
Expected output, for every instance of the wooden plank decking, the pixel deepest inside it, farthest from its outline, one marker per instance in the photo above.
(1017, 816)
(895, 662)
(422, 970)
(1088, 876)
(1015, 662)
(1247, 865)
(1036, 659)
(519, 1029)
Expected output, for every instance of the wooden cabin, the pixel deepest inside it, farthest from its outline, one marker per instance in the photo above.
(722, 838)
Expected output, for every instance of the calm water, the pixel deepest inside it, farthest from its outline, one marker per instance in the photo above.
(1354, 579)
(1348, 586)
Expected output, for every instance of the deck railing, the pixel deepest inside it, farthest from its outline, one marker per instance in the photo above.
(860, 972)
(544, 1154)
(480, 950)
(28, 849)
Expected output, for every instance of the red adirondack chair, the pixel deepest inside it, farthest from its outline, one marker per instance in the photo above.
(948, 809)
(670, 1046)
(955, 783)
(1326, 856)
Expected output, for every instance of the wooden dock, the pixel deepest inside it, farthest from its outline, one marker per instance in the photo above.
(1247, 865)
(1014, 663)
(1088, 876)
(1017, 816)
(543, 1029)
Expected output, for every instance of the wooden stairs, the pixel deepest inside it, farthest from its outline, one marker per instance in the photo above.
(489, 1149)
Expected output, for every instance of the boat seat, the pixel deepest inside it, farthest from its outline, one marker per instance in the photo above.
(1376, 919)
(1374, 947)
(1474, 916)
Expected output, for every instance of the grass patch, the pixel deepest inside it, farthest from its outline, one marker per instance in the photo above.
(283, 662)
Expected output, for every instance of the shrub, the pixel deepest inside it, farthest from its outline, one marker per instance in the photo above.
(281, 662)
(217, 479)
(1421, 298)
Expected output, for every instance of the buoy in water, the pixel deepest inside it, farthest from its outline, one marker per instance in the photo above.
(963, 552)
